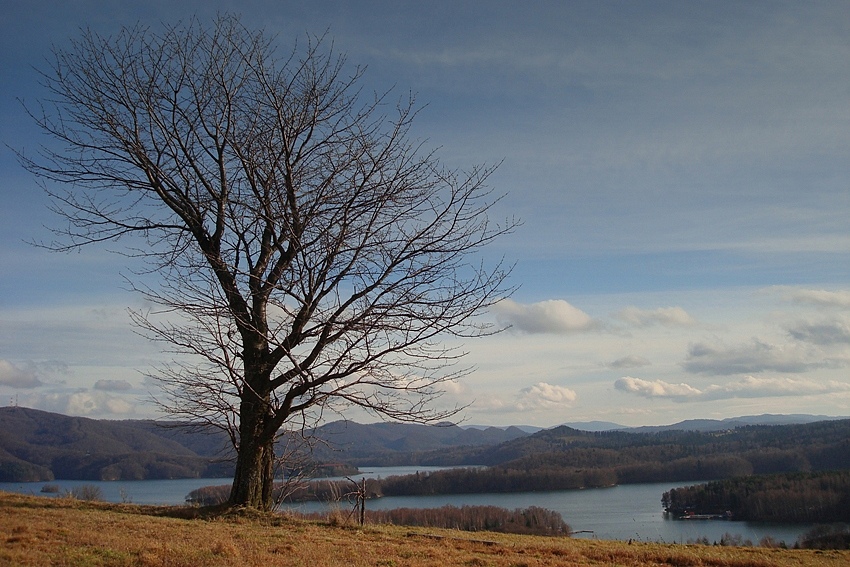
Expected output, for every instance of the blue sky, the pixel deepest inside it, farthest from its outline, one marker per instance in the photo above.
(680, 168)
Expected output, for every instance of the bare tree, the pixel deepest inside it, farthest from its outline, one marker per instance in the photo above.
(307, 253)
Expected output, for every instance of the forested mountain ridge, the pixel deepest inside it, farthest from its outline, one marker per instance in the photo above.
(769, 448)
(564, 458)
(40, 446)
(389, 444)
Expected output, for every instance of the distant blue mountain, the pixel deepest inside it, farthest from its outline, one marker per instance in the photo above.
(687, 425)
(595, 425)
(526, 428)
(733, 422)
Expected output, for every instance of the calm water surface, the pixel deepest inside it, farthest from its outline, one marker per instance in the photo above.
(620, 512)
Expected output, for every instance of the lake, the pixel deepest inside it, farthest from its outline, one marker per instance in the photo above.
(631, 511)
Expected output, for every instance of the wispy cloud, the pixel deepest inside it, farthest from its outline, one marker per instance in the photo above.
(630, 361)
(666, 316)
(754, 387)
(113, 385)
(748, 387)
(820, 297)
(754, 357)
(656, 388)
(552, 316)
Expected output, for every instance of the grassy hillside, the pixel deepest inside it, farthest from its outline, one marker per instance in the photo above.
(41, 531)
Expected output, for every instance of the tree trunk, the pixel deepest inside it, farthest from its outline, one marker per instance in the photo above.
(253, 481)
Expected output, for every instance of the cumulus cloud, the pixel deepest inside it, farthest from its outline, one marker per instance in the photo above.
(95, 403)
(113, 385)
(655, 388)
(543, 395)
(666, 316)
(552, 316)
(14, 377)
(540, 396)
(820, 297)
(631, 361)
(80, 402)
(748, 387)
(823, 334)
(757, 356)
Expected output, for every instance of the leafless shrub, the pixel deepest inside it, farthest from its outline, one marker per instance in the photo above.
(87, 492)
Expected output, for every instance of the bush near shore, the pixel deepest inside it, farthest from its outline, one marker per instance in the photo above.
(531, 520)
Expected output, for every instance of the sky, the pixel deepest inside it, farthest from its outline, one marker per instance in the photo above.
(681, 171)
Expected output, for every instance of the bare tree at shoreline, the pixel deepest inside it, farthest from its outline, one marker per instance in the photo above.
(309, 256)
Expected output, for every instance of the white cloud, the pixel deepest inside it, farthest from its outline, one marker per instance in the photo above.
(80, 403)
(551, 316)
(14, 377)
(630, 361)
(96, 403)
(540, 396)
(666, 316)
(748, 387)
(655, 388)
(545, 395)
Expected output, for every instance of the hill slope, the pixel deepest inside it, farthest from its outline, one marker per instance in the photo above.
(40, 446)
(392, 444)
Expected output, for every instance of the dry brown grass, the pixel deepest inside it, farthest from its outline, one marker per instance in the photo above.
(46, 531)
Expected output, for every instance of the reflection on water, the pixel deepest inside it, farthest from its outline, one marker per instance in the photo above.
(620, 512)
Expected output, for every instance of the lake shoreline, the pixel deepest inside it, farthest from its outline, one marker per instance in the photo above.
(622, 512)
